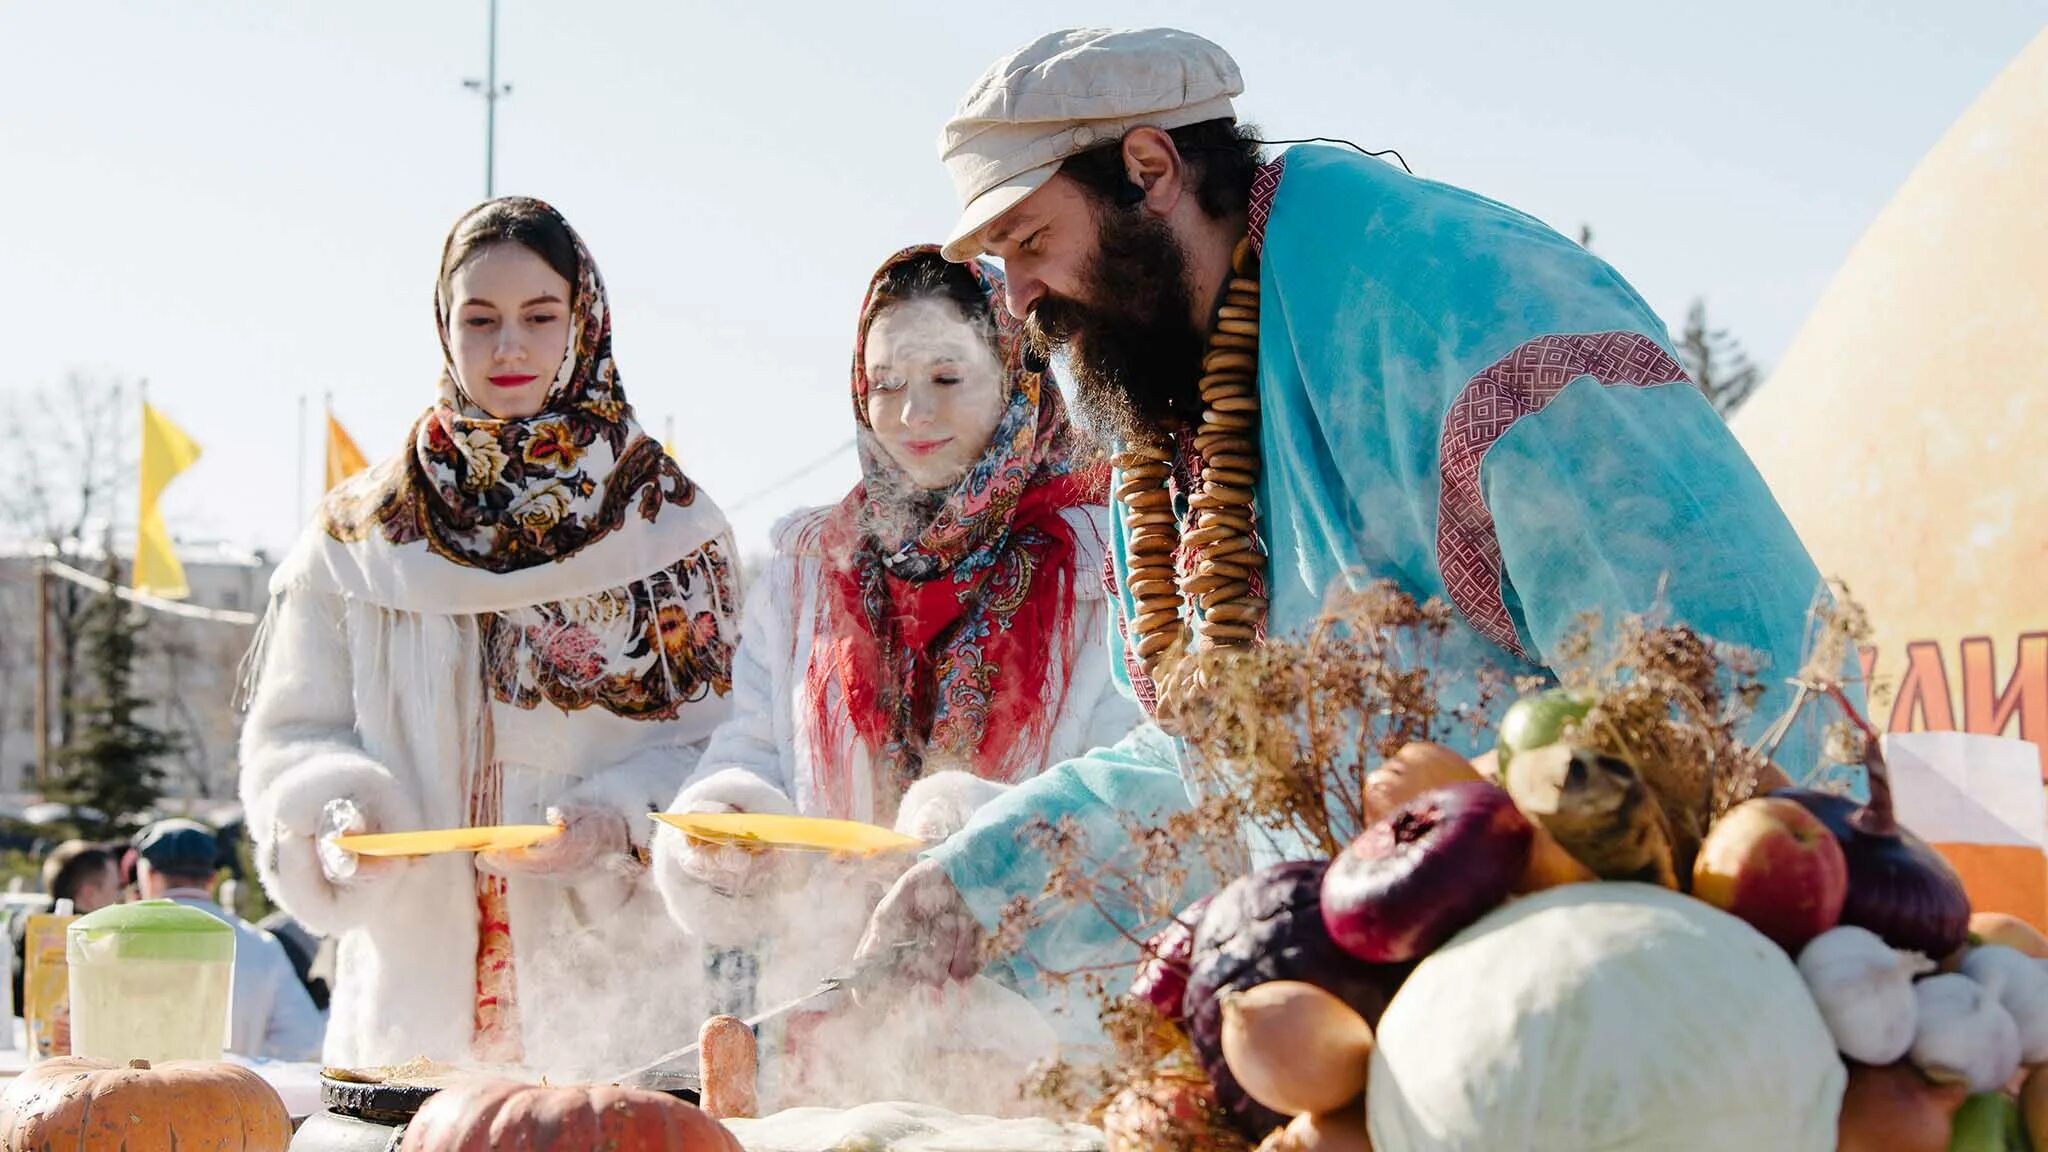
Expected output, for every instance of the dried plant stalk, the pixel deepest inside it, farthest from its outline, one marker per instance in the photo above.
(1278, 741)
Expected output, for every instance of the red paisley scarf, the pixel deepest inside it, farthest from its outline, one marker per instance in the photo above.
(943, 646)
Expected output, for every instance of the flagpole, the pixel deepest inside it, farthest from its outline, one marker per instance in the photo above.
(491, 110)
(141, 429)
(114, 512)
(492, 92)
(326, 440)
(299, 500)
(42, 665)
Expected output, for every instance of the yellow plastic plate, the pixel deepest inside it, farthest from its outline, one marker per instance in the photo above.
(799, 833)
(501, 838)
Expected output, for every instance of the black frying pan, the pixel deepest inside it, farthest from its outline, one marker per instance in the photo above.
(398, 1103)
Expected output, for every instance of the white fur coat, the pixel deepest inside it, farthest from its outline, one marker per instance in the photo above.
(605, 977)
(758, 761)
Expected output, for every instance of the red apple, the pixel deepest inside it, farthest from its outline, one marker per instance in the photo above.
(1773, 864)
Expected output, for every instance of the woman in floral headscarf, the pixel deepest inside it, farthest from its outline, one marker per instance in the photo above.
(929, 640)
(524, 617)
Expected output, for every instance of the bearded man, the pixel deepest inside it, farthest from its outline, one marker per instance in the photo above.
(1329, 370)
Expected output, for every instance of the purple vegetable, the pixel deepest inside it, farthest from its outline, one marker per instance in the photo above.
(1899, 887)
(1431, 867)
(1162, 979)
(1262, 927)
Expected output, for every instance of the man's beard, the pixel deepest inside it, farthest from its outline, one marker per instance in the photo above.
(1133, 347)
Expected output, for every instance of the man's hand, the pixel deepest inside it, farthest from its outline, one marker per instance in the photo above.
(926, 923)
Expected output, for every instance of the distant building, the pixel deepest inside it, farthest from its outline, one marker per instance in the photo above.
(188, 670)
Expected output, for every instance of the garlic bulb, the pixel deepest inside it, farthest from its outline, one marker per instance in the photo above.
(2021, 986)
(1965, 1035)
(1865, 992)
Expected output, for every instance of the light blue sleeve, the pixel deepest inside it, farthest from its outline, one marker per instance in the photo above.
(1100, 795)
(295, 1030)
(1614, 499)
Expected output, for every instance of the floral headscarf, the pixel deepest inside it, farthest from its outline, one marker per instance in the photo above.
(520, 498)
(944, 646)
(603, 574)
(507, 495)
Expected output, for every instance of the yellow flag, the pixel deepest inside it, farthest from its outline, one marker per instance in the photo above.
(166, 451)
(344, 459)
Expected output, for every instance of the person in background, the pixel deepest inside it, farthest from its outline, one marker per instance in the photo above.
(86, 874)
(312, 956)
(273, 1016)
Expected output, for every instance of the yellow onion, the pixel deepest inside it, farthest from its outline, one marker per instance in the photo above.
(1895, 1109)
(1340, 1131)
(1295, 1048)
(1417, 768)
(2034, 1108)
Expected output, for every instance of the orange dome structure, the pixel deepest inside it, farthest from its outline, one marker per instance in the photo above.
(1906, 431)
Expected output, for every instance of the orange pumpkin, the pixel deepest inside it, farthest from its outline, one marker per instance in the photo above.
(486, 1113)
(83, 1105)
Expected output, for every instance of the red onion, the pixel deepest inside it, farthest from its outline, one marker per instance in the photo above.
(1162, 979)
(1432, 867)
(1899, 887)
(1263, 927)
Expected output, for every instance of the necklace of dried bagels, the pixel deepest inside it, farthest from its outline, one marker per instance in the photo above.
(1223, 558)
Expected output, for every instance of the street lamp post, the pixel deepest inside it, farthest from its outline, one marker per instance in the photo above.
(491, 90)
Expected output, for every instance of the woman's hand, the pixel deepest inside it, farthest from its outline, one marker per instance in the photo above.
(721, 892)
(339, 866)
(731, 870)
(592, 838)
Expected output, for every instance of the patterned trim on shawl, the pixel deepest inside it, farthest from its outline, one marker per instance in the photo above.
(495, 1036)
(1265, 186)
(552, 519)
(1519, 384)
(643, 652)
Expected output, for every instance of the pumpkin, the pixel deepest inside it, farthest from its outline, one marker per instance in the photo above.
(488, 1113)
(1615, 1015)
(80, 1104)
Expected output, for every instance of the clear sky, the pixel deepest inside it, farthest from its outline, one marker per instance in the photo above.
(244, 202)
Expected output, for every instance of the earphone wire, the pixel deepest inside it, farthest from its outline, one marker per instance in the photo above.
(1395, 153)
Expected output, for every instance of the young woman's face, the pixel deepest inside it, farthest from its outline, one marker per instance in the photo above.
(935, 390)
(510, 328)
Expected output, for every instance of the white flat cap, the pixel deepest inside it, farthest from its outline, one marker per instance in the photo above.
(1065, 93)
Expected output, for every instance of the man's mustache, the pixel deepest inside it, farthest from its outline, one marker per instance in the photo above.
(1051, 326)
(1054, 322)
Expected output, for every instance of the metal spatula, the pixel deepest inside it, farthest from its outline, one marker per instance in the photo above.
(678, 1071)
